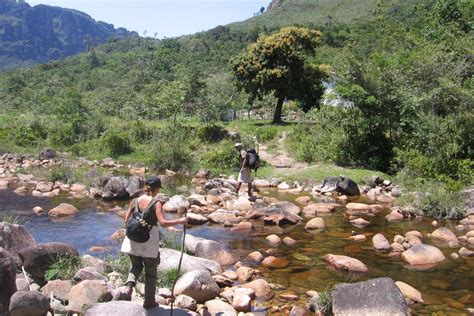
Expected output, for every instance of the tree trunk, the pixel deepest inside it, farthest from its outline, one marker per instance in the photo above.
(277, 113)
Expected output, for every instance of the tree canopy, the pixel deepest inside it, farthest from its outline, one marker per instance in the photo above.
(279, 64)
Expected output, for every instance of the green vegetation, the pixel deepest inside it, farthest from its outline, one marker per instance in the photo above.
(63, 268)
(320, 171)
(430, 198)
(401, 72)
(12, 218)
(166, 278)
(278, 64)
(171, 240)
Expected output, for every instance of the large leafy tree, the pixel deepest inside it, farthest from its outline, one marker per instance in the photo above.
(279, 64)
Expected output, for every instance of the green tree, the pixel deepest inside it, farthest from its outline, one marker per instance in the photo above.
(280, 64)
(171, 98)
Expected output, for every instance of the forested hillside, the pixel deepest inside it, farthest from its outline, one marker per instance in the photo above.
(406, 68)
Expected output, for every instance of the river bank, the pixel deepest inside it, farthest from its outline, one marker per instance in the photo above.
(272, 239)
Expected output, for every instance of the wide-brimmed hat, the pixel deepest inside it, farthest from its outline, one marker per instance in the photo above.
(153, 182)
(237, 145)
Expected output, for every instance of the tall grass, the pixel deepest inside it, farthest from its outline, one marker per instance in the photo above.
(11, 217)
(430, 198)
(64, 268)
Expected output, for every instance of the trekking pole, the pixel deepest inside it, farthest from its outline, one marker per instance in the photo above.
(26, 277)
(179, 265)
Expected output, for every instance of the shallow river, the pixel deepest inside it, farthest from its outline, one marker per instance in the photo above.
(448, 287)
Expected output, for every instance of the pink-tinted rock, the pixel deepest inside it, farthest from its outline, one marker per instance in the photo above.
(303, 200)
(242, 226)
(409, 292)
(118, 235)
(345, 263)
(256, 255)
(360, 222)
(394, 216)
(59, 288)
(288, 297)
(261, 287)
(63, 209)
(464, 252)
(245, 274)
(289, 241)
(242, 303)
(86, 293)
(275, 262)
(360, 237)
(423, 254)
(319, 208)
(445, 235)
(217, 307)
(315, 223)
(232, 275)
(380, 242)
(273, 239)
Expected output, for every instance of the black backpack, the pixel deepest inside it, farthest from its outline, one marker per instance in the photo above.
(140, 224)
(253, 159)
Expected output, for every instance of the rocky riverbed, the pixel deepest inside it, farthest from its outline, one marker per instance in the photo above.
(287, 252)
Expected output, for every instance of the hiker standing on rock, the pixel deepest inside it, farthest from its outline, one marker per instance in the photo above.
(147, 254)
(244, 172)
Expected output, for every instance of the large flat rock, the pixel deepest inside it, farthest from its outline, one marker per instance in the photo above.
(125, 308)
(170, 260)
(375, 297)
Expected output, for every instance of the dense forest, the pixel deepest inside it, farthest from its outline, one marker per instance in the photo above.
(404, 71)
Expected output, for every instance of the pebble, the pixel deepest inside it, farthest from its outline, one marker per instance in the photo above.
(454, 256)
(311, 293)
(288, 241)
(288, 297)
(38, 209)
(273, 239)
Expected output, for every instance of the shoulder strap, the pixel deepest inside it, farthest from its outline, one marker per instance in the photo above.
(149, 208)
(137, 206)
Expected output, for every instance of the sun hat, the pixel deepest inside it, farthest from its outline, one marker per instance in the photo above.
(238, 145)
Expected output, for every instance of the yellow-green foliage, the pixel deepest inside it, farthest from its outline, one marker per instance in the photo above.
(279, 64)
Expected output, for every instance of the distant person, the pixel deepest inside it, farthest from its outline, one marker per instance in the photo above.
(147, 255)
(244, 172)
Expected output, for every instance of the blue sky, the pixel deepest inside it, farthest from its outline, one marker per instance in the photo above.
(165, 17)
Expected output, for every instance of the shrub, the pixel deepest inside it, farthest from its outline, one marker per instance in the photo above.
(139, 132)
(29, 131)
(223, 157)
(211, 133)
(342, 136)
(63, 134)
(116, 143)
(62, 174)
(172, 148)
(266, 133)
(434, 199)
(439, 148)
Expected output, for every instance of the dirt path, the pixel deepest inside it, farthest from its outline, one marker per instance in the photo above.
(279, 158)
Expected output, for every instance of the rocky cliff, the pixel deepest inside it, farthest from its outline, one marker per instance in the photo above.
(42, 33)
(274, 4)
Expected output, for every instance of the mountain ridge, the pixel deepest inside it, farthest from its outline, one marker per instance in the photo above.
(38, 34)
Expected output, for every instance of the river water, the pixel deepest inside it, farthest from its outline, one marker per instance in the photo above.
(447, 288)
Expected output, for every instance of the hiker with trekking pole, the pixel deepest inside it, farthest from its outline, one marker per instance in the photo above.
(141, 242)
(249, 160)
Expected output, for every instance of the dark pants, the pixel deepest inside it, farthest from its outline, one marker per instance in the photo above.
(151, 266)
